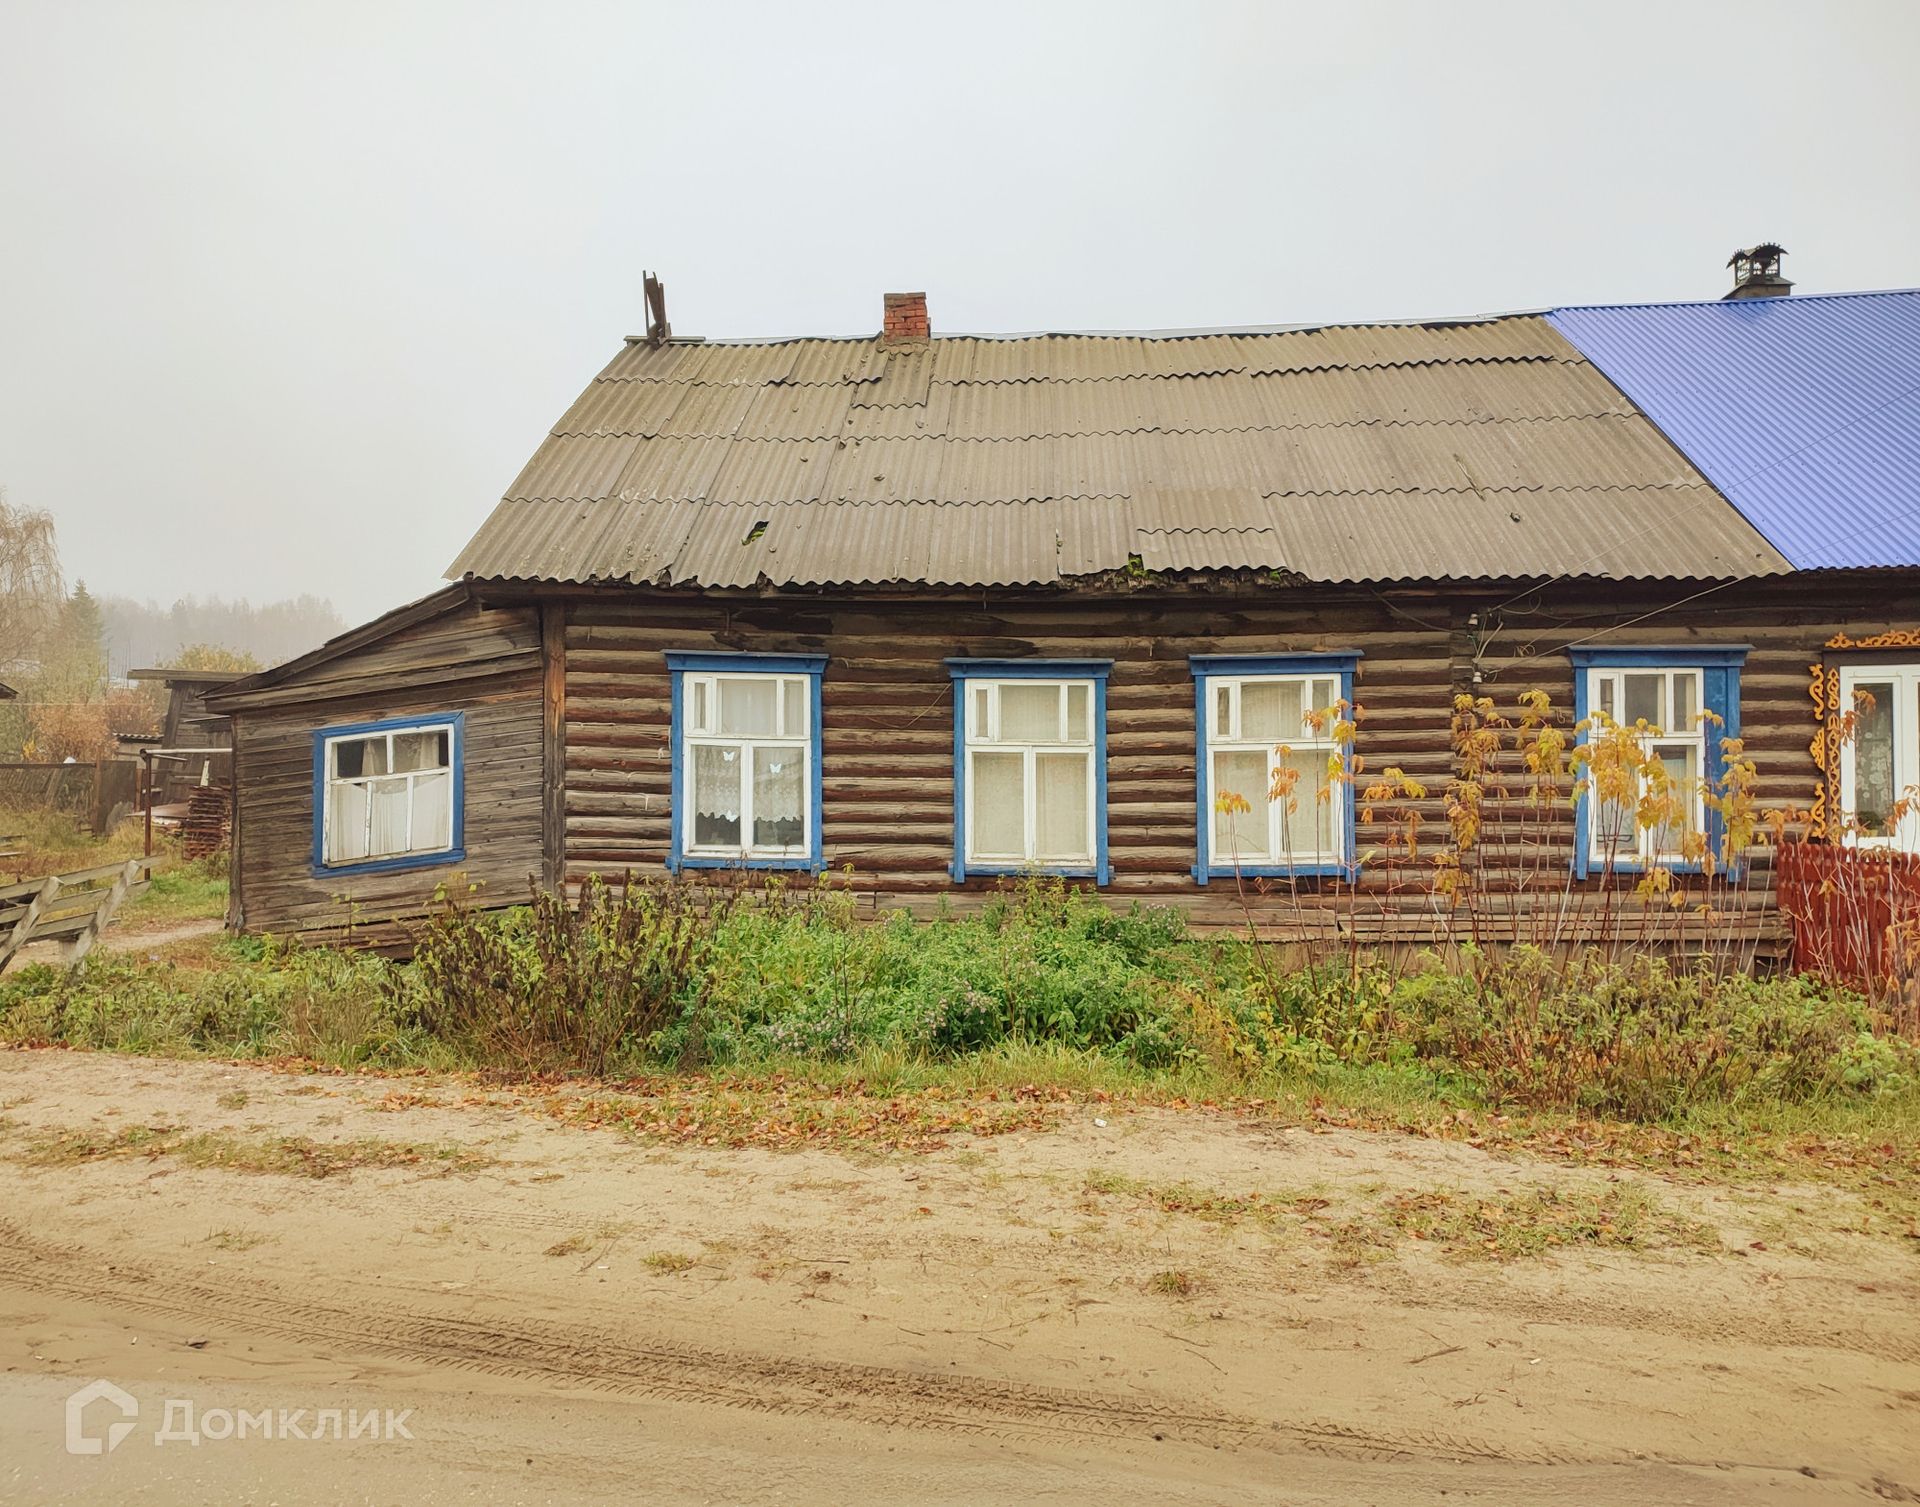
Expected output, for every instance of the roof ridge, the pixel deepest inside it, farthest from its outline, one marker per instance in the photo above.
(1796, 300)
(1627, 411)
(1195, 332)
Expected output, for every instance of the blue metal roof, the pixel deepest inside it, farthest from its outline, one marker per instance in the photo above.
(1804, 411)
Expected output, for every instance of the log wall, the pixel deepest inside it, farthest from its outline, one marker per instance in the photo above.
(888, 721)
(568, 754)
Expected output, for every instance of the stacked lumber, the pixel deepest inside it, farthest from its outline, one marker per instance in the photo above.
(207, 823)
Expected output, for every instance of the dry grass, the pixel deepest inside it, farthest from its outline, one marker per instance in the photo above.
(785, 1115)
(234, 1240)
(295, 1156)
(1504, 1225)
(52, 842)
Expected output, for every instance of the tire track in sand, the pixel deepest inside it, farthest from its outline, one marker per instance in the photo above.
(528, 1349)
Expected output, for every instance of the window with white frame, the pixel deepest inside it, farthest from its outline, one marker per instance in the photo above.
(1880, 762)
(1269, 745)
(745, 748)
(388, 791)
(1664, 707)
(1030, 773)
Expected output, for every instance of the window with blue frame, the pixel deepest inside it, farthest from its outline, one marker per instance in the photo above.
(1030, 766)
(388, 795)
(746, 760)
(1680, 703)
(1266, 802)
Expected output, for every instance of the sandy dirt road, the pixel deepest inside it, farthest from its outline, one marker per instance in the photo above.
(574, 1315)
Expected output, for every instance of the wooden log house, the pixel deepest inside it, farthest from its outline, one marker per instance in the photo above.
(931, 613)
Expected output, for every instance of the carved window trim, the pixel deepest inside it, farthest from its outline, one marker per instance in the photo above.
(1824, 688)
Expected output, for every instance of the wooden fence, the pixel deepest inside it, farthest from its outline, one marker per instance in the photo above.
(71, 909)
(95, 794)
(1855, 913)
(48, 787)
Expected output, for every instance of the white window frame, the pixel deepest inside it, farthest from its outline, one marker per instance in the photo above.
(700, 701)
(1905, 678)
(983, 697)
(1231, 739)
(330, 781)
(1613, 678)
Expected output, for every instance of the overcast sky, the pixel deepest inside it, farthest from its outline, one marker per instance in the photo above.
(288, 292)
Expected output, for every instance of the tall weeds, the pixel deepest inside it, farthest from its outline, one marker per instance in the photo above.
(564, 986)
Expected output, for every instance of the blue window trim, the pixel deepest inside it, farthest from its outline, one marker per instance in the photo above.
(1235, 666)
(1719, 693)
(456, 854)
(962, 670)
(706, 662)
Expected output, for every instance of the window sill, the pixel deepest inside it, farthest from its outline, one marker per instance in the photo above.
(1599, 869)
(679, 861)
(1017, 870)
(435, 860)
(1330, 870)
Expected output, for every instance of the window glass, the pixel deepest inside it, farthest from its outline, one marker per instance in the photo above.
(1061, 791)
(1306, 816)
(1614, 837)
(1030, 712)
(1251, 756)
(1241, 772)
(1079, 714)
(388, 795)
(716, 796)
(415, 751)
(1670, 702)
(346, 840)
(390, 806)
(1644, 696)
(998, 811)
(793, 708)
(1875, 779)
(433, 811)
(358, 757)
(749, 706)
(1270, 710)
(1682, 763)
(699, 716)
(777, 818)
(1686, 705)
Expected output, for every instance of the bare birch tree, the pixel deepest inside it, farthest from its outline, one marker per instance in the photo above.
(32, 588)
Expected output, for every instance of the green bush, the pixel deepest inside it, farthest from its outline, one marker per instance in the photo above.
(663, 973)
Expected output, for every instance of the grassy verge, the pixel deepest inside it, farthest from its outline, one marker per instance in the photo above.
(771, 1020)
(185, 892)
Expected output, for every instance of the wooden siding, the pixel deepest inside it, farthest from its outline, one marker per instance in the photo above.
(483, 661)
(888, 717)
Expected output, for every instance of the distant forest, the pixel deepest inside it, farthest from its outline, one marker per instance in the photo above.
(140, 634)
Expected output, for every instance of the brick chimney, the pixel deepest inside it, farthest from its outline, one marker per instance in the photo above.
(1756, 272)
(904, 318)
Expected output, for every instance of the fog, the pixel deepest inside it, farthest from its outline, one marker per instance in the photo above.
(289, 292)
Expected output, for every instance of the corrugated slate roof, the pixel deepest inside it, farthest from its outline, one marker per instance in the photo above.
(1486, 449)
(1804, 411)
